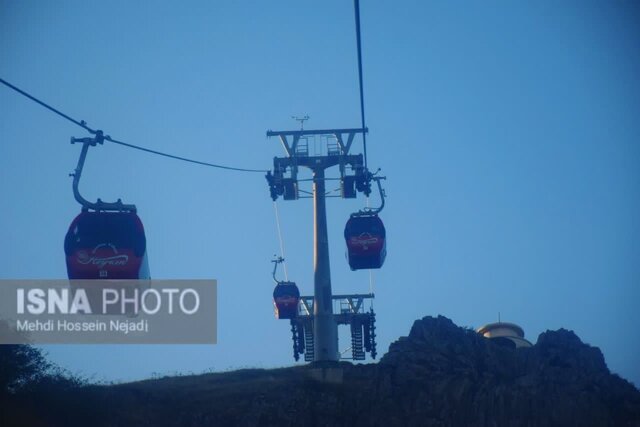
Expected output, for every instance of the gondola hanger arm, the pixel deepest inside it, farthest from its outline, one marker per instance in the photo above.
(276, 261)
(375, 211)
(99, 205)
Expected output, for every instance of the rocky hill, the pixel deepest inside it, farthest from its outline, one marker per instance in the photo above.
(440, 375)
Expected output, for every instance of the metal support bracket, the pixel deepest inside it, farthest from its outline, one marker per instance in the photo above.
(99, 205)
(374, 211)
(296, 134)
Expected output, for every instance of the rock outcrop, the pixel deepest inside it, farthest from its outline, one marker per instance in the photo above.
(453, 376)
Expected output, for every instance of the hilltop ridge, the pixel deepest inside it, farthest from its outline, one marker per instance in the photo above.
(440, 375)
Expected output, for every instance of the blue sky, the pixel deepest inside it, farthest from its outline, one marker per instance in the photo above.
(508, 132)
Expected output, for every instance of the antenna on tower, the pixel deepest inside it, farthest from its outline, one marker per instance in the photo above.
(301, 120)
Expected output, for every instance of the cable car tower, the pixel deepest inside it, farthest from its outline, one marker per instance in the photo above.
(315, 329)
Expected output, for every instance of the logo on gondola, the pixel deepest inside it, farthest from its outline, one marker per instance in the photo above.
(364, 240)
(287, 300)
(115, 260)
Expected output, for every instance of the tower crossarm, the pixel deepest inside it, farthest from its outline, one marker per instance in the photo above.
(340, 134)
(314, 162)
(306, 305)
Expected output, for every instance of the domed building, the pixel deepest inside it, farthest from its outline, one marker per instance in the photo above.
(508, 333)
